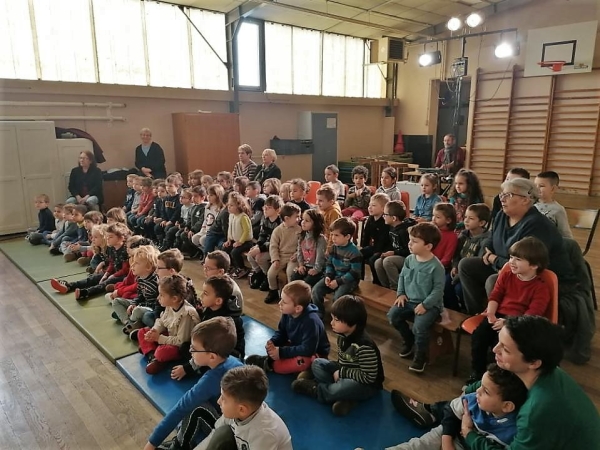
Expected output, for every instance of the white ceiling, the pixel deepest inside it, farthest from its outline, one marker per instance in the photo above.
(410, 19)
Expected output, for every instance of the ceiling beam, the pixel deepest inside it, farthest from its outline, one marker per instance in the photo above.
(244, 10)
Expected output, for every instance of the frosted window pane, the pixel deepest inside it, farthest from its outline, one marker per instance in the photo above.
(248, 54)
(334, 70)
(17, 57)
(278, 55)
(209, 72)
(306, 61)
(355, 54)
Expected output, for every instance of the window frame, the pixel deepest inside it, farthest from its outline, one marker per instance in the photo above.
(261, 56)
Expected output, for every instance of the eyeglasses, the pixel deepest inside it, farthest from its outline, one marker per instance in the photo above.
(206, 268)
(503, 195)
(199, 351)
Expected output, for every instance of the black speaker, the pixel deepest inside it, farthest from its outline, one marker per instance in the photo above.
(421, 147)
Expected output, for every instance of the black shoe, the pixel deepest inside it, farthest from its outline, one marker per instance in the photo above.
(264, 286)
(115, 316)
(256, 279)
(342, 407)
(418, 363)
(407, 350)
(55, 251)
(260, 361)
(305, 387)
(413, 410)
(272, 297)
(134, 335)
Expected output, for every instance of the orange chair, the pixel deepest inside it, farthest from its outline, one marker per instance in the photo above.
(311, 197)
(405, 198)
(470, 324)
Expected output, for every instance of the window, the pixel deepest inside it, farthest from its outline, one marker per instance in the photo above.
(334, 64)
(248, 51)
(209, 71)
(374, 78)
(355, 67)
(120, 41)
(278, 50)
(17, 57)
(64, 37)
(167, 38)
(306, 61)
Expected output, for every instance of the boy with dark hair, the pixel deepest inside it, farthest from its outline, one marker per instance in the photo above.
(344, 265)
(212, 343)
(283, 245)
(196, 218)
(357, 200)
(258, 256)
(390, 263)
(493, 407)
(357, 375)
(518, 291)
(81, 234)
(300, 337)
(547, 184)
(420, 294)
(246, 418)
(46, 223)
(375, 237)
(218, 300)
(531, 347)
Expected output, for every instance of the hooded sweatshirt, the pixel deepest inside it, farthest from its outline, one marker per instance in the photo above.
(302, 336)
(469, 245)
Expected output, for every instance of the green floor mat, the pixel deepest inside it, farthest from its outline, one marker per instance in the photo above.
(36, 262)
(92, 317)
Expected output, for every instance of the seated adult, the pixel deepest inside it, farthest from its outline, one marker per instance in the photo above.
(519, 218)
(451, 158)
(245, 167)
(268, 169)
(85, 182)
(150, 157)
(557, 413)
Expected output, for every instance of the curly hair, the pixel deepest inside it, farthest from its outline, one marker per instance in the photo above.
(175, 286)
(240, 202)
(474, 192)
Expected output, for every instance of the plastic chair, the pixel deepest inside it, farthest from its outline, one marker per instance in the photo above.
(311, 197)
(470, 325)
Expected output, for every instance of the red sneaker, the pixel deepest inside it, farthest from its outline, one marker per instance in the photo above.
(59, 286)
(154, 366)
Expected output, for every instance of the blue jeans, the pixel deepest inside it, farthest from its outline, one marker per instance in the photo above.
(329, 391)
(320, 290)
(92, 201)
(398, 315)
(452, 294)
(212, 242)
(40, 238)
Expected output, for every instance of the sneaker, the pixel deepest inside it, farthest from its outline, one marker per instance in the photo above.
(115, 316)
(418, 363)
(241, 273)
(407, 350)
(306, 375)
(81, 294)
(110, 287)
(413, 410)
(54, 251)
(70, 257)
(342, 407)
(305, 387)
(84, 261)
(272, 297)
(264, 286)
(234, 273)
(89, 269)
(256, 279)
(59, 285)
(260, 361)
(154, 366)
(131, 326)
(134, 336)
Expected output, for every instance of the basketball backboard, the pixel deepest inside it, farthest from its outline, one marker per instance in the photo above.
(573, 44)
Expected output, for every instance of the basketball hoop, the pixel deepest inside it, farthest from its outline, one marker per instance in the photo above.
(555, 66)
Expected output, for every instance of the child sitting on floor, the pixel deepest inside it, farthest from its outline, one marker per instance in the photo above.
(46, 223)
(300, 337)
(357, 375)
(246, 417)
(80, 236)
(59, 227)
(127, 288)
(82, 251)
(177, 320)
(197, 411)
(67, 233)
(493, 407)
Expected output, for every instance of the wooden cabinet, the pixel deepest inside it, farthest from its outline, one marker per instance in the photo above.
(206, 141)
(114, 193)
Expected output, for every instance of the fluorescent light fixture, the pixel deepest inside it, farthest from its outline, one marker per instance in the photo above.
(454, 24)
(474, 20)
(505, 50)
(430, 58)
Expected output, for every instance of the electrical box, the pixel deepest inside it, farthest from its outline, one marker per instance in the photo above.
(387, 49)
(459, 67)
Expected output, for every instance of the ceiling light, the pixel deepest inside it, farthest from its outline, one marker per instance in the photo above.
(474, 20)
(430, 59)
(504, 50)
(454, 24)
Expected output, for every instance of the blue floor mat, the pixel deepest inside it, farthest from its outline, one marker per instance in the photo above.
(371, 425)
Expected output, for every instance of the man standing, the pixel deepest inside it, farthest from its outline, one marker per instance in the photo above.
(451, 158)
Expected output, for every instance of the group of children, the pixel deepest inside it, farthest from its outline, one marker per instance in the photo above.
(135, 260)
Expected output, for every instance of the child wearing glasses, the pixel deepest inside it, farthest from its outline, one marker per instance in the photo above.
(177, 320)
(197, 411)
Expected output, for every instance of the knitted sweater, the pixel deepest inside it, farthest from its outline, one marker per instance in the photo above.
(284, 243)
(344, 264)
(249, 171)
(240, 228)
(469, 245)
(558, 215)
(422, 282)
(361, 201)
(330, 215)
(178, 323)
(446, 248)
(359, 359)
(46, 220)
(392, 192)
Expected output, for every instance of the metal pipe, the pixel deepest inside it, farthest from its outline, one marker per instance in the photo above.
(452, 38)
(94, 118)
(180, 7)
(90, 105)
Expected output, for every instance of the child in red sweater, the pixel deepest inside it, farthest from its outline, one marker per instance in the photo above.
(517, 292)
(444, 217)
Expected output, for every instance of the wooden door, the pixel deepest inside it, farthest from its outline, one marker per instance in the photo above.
(13, 215)
(39, 164)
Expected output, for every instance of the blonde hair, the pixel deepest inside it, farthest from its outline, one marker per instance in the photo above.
(275, 184)
(285, 191)
(245, 148)
(146, 253)
(146, 130)
(100, 230)
(117, 214)
(271, 152)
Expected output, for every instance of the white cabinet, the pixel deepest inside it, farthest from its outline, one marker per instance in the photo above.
(28, 167)
(68, 154)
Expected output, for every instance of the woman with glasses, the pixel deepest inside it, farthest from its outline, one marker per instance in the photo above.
(518, 219)
(85, 182)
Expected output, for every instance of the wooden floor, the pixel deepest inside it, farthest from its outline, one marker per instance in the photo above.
(58, 391)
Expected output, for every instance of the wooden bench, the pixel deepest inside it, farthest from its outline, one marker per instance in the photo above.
(440, 342)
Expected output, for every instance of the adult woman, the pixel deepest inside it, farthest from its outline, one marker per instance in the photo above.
(245, 167)
(268, 168)
(518, 219)
(150, 157)
(85, 182)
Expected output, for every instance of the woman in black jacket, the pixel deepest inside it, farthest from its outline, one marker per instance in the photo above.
(150, 157)
(85, 182)
(268, 169)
